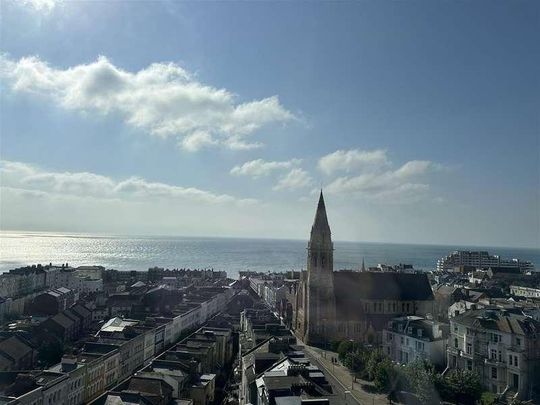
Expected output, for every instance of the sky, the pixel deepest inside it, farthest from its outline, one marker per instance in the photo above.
(420, 119)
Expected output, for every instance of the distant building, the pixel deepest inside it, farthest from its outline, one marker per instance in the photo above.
(527, 292)
(502, 346)
(348, 304)
(480, 259)
(52, 302)
(411, 338)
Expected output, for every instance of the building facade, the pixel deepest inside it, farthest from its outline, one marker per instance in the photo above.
(502, 346)
(412, 338)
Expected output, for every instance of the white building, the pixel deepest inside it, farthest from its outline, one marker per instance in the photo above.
(480, 259)
(411, 338)
(525, 291)
(502, 346)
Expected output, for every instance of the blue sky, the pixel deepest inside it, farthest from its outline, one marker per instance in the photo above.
(420, 119)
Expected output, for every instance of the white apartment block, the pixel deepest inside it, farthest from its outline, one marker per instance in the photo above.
(502, 346)
(411, 338)
(525, 291)
(480, 259)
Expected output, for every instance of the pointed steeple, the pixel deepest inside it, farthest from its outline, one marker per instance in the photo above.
(321, 220)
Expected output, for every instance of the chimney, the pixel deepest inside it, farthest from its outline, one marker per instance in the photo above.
(68, 363)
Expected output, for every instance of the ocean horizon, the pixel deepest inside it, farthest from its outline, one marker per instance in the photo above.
(231, 254)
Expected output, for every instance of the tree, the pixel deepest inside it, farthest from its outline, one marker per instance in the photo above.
(464, 386)
(385, 376)
(488, 398)
(345, 347)
(421, 379)
(375, 358)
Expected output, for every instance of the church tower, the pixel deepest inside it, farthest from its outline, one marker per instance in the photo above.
(321, 302)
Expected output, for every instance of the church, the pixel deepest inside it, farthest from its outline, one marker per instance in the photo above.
(336, 305)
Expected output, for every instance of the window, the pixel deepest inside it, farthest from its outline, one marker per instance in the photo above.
(516, 361)
(493, 354)
(456, 345)
(510, 359)
(469, 365)
(469, 348)
(518, 341)
(494, 372)
(402, 340)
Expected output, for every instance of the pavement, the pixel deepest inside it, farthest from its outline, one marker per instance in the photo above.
(340, 377)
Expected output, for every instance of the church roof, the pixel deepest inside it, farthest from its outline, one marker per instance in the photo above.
(352, 287)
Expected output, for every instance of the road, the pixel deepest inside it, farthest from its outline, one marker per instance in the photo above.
(340, 389)
(341, 378)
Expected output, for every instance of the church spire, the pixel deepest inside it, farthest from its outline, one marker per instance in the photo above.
(321, 220)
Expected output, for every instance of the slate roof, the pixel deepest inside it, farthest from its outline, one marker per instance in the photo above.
(417, 323)
(14, 348)
(147, 385)
(352, 287)
(81, 311)
(499, 320)
(62, 320)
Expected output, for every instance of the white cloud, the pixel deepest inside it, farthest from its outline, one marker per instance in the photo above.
(352, 160)
(296, 178)
(41, 5)
(259, 167)
(405, 183)
(17, 175)
(162, 99)
(197, 140)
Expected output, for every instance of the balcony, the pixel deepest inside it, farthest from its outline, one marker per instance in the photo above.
(494, 362)
(454, 350)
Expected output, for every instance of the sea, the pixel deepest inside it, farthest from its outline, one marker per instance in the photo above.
(229, 254)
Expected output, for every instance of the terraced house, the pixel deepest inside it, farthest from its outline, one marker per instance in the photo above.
(502, 346)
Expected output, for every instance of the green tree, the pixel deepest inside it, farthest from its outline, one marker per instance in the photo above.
(345, 347)
(488, 398)
(464, 386)
(421, 379)
(386, 376)
(375, 358)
